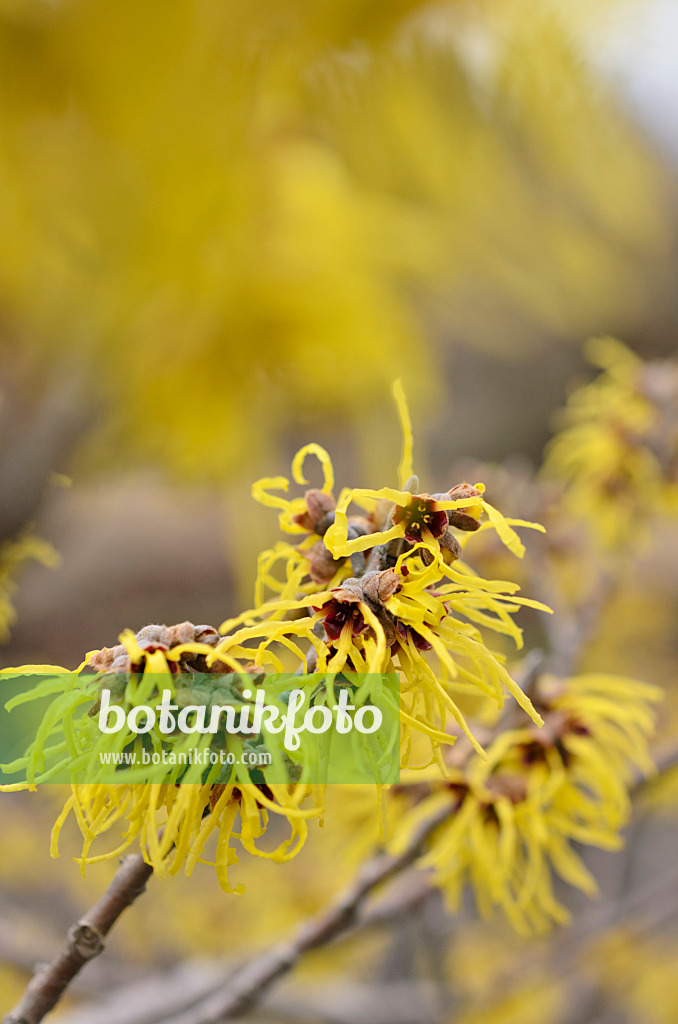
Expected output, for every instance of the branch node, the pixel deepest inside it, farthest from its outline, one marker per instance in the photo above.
(86, 941)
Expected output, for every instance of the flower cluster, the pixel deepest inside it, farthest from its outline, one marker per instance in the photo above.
(174, 816)
(617, 451)
(399, 596)
(373, 582)
(515, 815)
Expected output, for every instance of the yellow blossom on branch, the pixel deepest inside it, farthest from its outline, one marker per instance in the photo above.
(617, 450)
(174, 814)
(515, 814)
(396, 595)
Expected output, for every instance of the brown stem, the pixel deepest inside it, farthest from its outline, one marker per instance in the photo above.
(244, 988)
(85, 941)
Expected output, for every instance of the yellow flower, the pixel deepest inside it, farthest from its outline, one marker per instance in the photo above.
(617, 450)
(174, 822)
(400, 599)
(175, 813)
(514, 815)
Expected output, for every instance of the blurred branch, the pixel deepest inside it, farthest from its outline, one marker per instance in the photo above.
(26, 939)
(41, 447)
(213, 1002)
(387, 1002)
(149, 1000)
(569, 632)
(664, 760)
(85, 941)
(244, 988)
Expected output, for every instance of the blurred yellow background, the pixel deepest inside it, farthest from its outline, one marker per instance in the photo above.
(225, 228)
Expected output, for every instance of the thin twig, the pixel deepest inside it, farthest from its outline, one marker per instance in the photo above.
(569, 632)
(85, 941)
(149, 1000)
(244, 988)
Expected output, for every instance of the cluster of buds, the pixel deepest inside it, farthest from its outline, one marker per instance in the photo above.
(152, 638)
(114, 665)
(316, 518)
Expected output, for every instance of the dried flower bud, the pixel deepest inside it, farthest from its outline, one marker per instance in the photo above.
(319, 507)
(464, 518)
(181, 633)
(121, 664)
(102, 660)
(379, 586)
(322, 566)
(152, 635)
(207, 635)
(350, 590)
(450, 546)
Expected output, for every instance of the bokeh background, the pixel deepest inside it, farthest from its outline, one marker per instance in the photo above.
(225, 229)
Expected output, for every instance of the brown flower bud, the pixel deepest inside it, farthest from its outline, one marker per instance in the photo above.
(207, 635)
(464, 518)
(351, 590)
(379, 586)
(121, 663)
(102, 660)
(322, 566)
(154, 634)
(451, 548)
(181, 633)
(318, 506)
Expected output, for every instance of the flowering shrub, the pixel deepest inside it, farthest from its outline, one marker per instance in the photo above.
(617, 452)
(375, 581)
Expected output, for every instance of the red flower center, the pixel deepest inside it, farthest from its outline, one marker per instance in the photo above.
(338, 614)
(419, 517)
